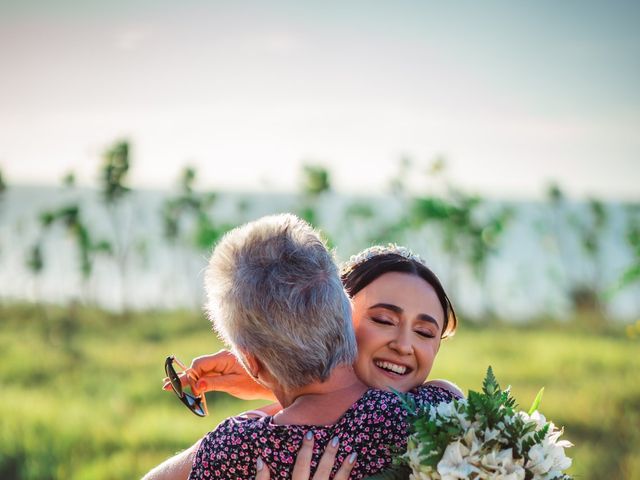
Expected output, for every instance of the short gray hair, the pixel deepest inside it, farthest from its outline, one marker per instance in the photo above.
(273, 290)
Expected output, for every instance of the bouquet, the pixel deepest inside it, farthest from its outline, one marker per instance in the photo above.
(481, 437)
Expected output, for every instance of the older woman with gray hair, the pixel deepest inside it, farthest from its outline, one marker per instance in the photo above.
(275, 297)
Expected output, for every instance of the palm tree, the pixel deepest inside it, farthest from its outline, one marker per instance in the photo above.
(190, 208)
(115, 168)
(69, 217)
(315, 181)
(631, 275)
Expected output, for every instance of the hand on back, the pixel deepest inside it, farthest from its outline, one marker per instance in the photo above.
(302, 467)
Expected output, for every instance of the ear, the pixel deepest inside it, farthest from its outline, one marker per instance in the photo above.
(251, 364)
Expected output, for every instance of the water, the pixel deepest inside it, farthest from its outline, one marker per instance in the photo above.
(528, 276)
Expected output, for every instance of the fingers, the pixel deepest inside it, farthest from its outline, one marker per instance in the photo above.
(302, 467)
(222, 362)
(346, 467)
(221, 372)
(262, 471)
(206, 365)
(326, 462)
(187, 379)
(205, 384)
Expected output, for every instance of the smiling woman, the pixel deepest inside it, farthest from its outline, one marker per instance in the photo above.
(398, 320)
(400, 314)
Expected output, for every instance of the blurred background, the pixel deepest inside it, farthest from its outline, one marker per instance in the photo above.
(497, 140)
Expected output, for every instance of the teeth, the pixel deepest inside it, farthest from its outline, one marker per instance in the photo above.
(399, 369)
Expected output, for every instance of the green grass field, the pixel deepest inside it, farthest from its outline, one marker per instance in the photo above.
(82, 399)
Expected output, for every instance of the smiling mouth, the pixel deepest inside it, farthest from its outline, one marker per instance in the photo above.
(392, 367)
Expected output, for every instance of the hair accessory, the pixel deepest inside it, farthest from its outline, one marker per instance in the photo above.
(377, 250)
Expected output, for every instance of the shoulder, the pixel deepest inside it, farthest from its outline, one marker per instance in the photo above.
(239, 428)
(225, 450)
(433, 393)
(379, 406)
(446, 385)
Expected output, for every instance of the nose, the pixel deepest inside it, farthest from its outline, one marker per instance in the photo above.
(401, 344)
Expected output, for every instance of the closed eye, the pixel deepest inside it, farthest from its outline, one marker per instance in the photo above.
(382, 321)
(425, 334)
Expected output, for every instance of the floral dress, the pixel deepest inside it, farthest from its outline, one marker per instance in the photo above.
(375, 427)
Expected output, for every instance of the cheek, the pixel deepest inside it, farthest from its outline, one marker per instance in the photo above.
(362, 339)
(427, 355)
(368, 338)
(369, 342)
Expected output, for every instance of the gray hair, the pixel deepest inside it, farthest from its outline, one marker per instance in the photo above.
(273, 290)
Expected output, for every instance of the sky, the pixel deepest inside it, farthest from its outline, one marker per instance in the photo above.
(513, 95)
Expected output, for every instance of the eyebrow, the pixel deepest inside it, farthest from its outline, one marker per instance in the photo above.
(398, 310)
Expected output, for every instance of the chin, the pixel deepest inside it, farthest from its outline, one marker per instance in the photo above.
(385, 384)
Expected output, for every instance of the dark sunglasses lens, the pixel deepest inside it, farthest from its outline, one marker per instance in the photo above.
(194, 404)
(173, 376)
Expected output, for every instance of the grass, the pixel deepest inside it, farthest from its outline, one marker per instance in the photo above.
(81, 394)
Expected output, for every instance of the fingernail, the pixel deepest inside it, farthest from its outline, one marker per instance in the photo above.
(259, 464)
(352, 458)
(309, 435)
(335, 441)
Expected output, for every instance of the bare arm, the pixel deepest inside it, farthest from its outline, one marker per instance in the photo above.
(176, 467)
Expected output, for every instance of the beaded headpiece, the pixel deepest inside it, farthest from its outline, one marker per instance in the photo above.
(377, 250)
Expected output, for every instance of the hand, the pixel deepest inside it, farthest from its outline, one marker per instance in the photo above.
(302, 467)
(221, 372)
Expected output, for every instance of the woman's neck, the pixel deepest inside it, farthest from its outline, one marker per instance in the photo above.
(320, 403)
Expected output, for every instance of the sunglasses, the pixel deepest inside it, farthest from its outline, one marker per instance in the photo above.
(197, 405)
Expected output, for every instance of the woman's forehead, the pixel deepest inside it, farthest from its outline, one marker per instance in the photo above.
(390, 280)
(400, 287)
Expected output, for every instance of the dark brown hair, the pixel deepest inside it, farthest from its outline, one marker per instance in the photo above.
(358, 276)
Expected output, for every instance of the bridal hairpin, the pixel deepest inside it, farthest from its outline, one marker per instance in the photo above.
(377, 250)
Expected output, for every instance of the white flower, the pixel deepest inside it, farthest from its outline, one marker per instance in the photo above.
(472, 442)
(491, 434)
(454, 465)
(446, 409)
(419, 471)
(547, 459)
(501, 465)
(539, 418)
(459, 412)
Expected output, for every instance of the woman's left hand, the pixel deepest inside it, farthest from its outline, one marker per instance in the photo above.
(302, 467)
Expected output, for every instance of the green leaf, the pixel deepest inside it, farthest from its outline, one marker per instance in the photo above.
(490, 385)
(407, 401)
(536, 401)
